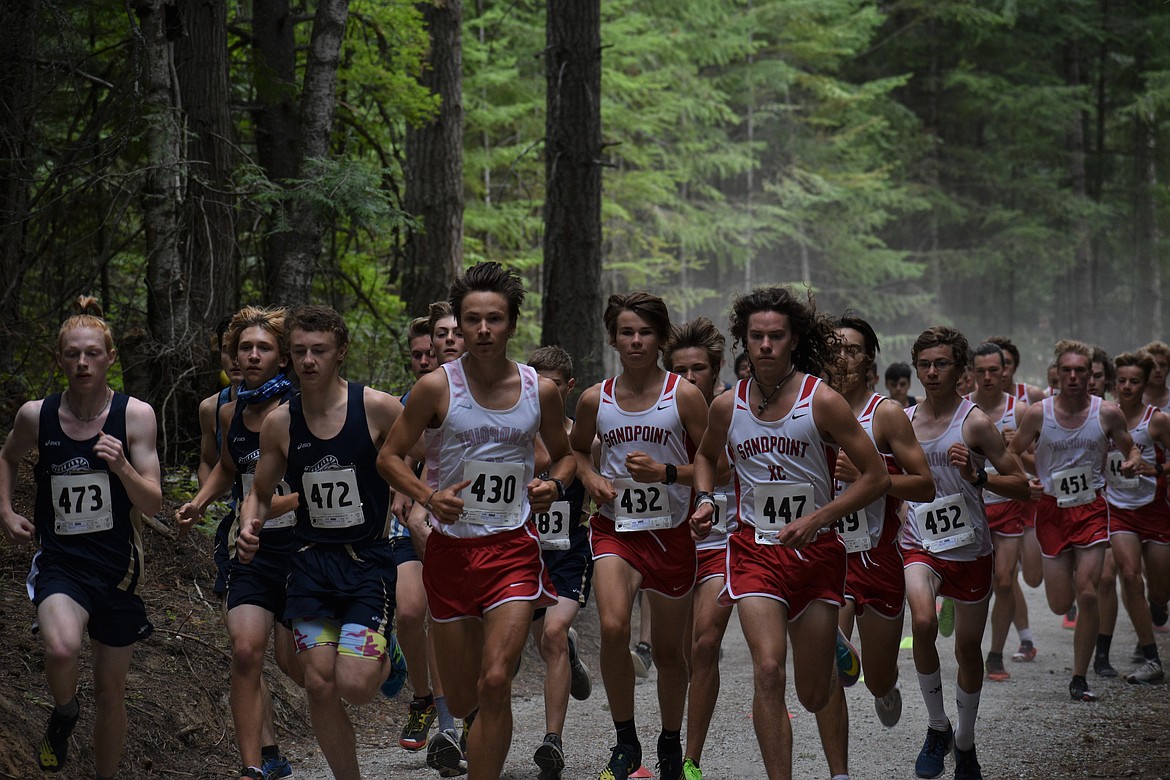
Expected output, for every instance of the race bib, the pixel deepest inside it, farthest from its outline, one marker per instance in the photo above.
(288, 519)
(944, 524)
(1073, 487)
(332, 498)
(719, 519)
(81, 503)
(853, 529)
(641, 506)
(778, 504)
(1113, 475)
(494, 496)
(553, 526)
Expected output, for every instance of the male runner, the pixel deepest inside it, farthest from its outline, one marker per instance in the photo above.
(898, 384)
(96, 465)
(785, 565)
(340, 599)
(648, 421)
(482, 569)
(1071, 432)
(947, 543)
(1157, 393)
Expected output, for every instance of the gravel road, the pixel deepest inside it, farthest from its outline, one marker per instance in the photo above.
(1028, 727)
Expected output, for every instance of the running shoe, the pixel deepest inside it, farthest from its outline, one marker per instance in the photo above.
(397, 677)
(995, 669)
(1027, 652)
(1078, 689)
(848, 661)
(580, 686)
(1148, 673)
(691, 770)
(643, 660)
(1102, 667)
(946, 617)
(251, 773)
(932, 758)
(444, 755)
(889, 707)
(670, 758)
(55, 746)
(276, 768)
(966, 765)
(420, 716)
(550, 757)
(623, 760)
(1069, 620)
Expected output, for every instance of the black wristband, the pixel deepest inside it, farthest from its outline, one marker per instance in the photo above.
(1158, 469)
(560, 486)
(671, 474)
(980, 478)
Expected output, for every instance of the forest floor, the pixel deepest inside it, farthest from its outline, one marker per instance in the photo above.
(180, 720)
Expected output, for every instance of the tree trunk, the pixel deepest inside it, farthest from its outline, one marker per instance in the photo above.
(277, 126)
(572, 210)
(434, 166)
(156, 363)
(18, 46)
(1147, 269)
(209, 217)
(1080, 315)
(294, 270)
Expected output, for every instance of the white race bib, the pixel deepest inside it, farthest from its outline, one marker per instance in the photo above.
(288, 519)
(777, 504)
(333, 499)
(1073, 487)
(82, 503)
(495, 495)
(641, 506)
(719, 519)
(853, 529)
(1113, 475)
(944, 523)
(553, 526)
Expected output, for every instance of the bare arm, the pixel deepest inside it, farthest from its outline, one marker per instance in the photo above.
(270, 470)
(208, 454)
(21, 439)
(896, 434)
(138, 469)
(214, 483)
(1010, 482)
(1115, 427)
(710, 453)
(542, 493)
(581, 440)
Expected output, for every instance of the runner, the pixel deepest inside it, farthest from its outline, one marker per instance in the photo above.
(255, 591)
(695, 352)
(898, 384)
(875, 584)
(96, 467)
(1139, 518)
(947, 544)
(785, 566)
(1025, 393)
(1071, 432)
(1006, 518)
(648, 421)
(1157, 393)
(482, 570)
(564, 540)
(340, 597)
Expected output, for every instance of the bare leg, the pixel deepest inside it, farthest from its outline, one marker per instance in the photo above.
(765, 627)
(110, 666)
(710, 623)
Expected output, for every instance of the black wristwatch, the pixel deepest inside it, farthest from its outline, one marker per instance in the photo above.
(980, 478)
(1158, 469)
(671, 474)
(560, 486)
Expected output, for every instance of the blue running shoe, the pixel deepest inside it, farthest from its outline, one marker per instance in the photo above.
(848, 661)
(276, 768)
(931, 760)
(397, 677)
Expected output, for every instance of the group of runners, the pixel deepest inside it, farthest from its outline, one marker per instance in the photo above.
(438, 531)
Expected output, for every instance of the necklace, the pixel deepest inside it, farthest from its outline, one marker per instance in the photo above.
(769, 396)
(79, 418)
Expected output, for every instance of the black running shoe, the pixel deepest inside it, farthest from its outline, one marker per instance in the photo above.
(670, 759)
(55, 746)
(1078, 689)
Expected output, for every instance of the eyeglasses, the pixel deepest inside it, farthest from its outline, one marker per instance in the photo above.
(939, 365)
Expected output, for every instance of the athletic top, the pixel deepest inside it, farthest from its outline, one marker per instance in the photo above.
(789, 451)
(1006, 422)
(491, 447)
(657, 431)
(244, 448)
(1135, 492)
(882, 515)
(938, 518)
(1060, 450)
(82, 509)
(1021, 393)
(343, 498)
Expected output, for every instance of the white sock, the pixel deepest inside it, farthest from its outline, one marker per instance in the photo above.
(965, 726)
(1025, 635)
(932, 696)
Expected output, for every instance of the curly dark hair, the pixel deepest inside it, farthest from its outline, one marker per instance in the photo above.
(816, 339)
